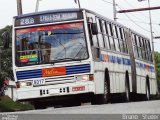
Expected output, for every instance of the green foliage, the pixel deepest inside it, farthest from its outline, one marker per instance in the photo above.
(157, 61)
(6, 58)
(8, 105)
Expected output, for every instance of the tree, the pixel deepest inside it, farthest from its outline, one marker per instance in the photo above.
(157, 62)
(6, 58)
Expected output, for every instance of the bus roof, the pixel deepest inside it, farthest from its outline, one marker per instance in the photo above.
(76, 10)
(48, 11)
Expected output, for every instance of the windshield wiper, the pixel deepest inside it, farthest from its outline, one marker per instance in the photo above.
(64, 60)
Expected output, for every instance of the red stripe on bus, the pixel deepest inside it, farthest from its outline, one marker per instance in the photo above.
(53, 27)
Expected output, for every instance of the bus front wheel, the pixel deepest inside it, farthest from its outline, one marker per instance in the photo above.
(101, 98)
(105, 97)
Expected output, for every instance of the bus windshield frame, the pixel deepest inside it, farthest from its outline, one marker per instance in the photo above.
(50, 44)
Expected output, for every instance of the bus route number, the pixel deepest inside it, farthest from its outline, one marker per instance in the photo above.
(27, 21)
(38, 82)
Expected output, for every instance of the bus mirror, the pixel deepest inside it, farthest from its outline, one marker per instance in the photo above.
(94, 28)
(5, 40)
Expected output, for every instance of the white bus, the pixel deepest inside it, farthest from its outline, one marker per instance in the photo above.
(79, 54)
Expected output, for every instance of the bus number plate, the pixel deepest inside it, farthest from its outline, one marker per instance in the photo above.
(38, 82)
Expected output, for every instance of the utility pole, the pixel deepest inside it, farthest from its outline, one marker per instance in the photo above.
(37, 6)
(79, 4)
(19, 7)
(77, 1)
(114, 10)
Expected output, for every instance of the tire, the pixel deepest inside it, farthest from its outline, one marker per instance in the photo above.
(127, 93)
(127, 88)
(147, 96)
(102, 98)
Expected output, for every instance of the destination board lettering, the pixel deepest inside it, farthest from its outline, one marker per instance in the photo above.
(57, 17)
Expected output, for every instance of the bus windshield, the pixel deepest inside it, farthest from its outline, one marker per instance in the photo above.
(50, 44)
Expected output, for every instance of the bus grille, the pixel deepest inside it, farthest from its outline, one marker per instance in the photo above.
(59, 80)
(37, 73)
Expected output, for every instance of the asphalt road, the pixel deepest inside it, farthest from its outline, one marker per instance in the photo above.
(150, 107)
(144, 110)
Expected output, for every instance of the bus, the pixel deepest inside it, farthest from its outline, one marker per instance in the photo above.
(79, 55)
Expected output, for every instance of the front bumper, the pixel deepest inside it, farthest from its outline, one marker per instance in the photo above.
(55, 90)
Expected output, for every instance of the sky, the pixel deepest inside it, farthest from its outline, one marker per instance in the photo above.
(138, 21)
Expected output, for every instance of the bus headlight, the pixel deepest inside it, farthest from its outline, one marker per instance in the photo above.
(84, 77)
(25, 84)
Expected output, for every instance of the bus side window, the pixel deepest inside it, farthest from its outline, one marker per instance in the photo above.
(107, 37)
(93, 38)
(103, 32)
(125, 42)
(140, 48)
(111, 39)
(121, 41)
(149, 50)
(146, 49)
(116, 40)
(100, 37)
(94, 41)
(143, 49)
(135, 46)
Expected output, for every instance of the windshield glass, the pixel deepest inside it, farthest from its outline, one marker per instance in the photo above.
(49, 44)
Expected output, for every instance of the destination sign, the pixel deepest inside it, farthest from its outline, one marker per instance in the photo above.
(57, 17)
(48, 18)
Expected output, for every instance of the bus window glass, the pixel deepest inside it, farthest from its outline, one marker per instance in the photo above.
(118, 32)
(143, 48)
(107, 42)
(121, 33)
(95, 41)
(122, 47)
(137, 41)
(115, 31)
(50, 43)
(100, 36)
(104, 27)
(140, 52)
(135, 52)
(117, 44)
(111, 30)
(100, 25)
(134, 39)
(123, 36)
(112, 45)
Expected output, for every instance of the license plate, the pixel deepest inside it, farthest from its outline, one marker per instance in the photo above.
(54, 91)
(38, 82)
(79, 88)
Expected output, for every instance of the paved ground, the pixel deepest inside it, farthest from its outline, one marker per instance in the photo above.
(146, 110)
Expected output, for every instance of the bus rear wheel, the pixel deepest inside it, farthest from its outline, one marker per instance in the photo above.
(147, 95)
(127, 94)
(127, 88)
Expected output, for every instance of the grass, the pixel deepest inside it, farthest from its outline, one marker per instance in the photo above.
(8, 105)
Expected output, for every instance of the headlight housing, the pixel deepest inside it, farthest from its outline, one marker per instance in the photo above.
(84, 78)
(23, 84)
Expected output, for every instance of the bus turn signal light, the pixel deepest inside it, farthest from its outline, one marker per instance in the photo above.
(17, 85)
(91, 78)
